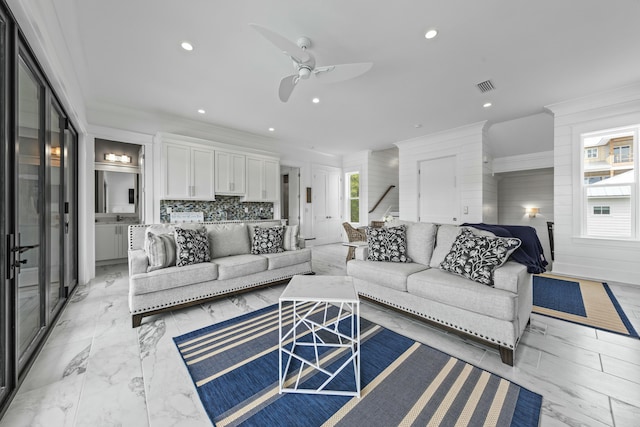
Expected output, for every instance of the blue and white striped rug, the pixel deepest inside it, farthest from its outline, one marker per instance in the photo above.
(234, 366)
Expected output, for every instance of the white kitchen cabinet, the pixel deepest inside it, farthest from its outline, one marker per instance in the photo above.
(188, 172)
(230, 173)
(262, 179)
(111, 241)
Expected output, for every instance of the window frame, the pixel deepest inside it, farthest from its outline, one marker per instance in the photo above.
(601, 208)
(589, 150)
(584, 210)
(349, 199)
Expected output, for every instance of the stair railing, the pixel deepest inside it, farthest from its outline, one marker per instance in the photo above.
(382, 197)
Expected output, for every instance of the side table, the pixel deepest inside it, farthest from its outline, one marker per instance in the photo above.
(314, 336)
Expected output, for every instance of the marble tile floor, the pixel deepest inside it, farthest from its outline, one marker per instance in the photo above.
(95, 370)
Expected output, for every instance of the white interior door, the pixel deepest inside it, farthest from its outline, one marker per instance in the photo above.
(326, 196)
(438, 191)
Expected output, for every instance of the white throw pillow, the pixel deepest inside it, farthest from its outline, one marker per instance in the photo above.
(161, 250)
(290, 240)
(228, 239)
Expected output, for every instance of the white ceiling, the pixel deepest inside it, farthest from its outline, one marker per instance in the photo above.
(127, 55)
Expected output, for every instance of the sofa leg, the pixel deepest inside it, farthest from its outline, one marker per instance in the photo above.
(506, 354)
(136, 320)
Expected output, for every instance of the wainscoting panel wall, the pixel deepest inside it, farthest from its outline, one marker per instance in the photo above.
(596, 258)
(467, 144)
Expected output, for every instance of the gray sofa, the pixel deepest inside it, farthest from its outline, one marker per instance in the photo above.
(496, 314)
(232, 268)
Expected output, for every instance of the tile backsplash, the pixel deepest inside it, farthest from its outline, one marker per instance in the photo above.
(223, 208)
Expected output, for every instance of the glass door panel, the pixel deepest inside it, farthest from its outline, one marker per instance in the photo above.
(29, 195)
(5, 346)
(54, 206)
(70, 210)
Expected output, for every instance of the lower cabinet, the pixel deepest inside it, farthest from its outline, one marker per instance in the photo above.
(111, 241)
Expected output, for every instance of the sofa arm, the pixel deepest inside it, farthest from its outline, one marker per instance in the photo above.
(509, 276)
(138, 261)
(362, 253)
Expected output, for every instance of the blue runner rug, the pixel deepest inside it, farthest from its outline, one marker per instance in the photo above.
(584, 302)
(234, 367)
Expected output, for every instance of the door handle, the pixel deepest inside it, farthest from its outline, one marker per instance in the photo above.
(23, 249)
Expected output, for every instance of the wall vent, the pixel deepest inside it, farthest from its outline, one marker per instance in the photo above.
(485, 86)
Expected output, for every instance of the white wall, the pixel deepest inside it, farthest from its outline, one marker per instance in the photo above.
(382, 172)
(597, 258)
(519, 190)
(466, 143)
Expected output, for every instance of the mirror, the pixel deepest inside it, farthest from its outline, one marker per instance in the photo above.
(116, 192)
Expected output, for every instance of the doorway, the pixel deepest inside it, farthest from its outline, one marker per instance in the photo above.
(290, 194)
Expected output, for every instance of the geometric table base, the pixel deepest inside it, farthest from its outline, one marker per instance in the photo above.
(319, 336)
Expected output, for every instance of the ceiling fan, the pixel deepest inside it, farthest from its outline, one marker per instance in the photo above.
(305, 64)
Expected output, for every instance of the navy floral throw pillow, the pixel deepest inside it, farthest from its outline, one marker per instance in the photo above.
(192, 246)
(267, 240)
(476, 257)
(387, 244)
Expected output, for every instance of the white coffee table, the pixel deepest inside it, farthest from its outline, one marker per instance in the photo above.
(311, 298)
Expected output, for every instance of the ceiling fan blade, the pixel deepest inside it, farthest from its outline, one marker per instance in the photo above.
(286, 87)
(287, 47)
(338, 73)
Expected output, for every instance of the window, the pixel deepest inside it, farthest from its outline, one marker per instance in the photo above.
(622, 154)
(601, 210)
(591, 153)
(610, 199)
(353, 199)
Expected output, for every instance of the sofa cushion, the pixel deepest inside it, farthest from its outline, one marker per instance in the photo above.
(287, 258)
(445, 237)
(389, 274)
(441, 286)
(387, 244)
(290, 239)
(476, 257)
(267, 240)
(421, 238)
(240, 265)
(228, 239)
(192, 246)
(172, 277)
(160, 249)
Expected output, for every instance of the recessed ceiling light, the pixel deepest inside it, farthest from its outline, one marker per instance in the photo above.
(487, 104)
(315, 100)
(271, 129)
(187, 46)
(201, 111)
(431, 34)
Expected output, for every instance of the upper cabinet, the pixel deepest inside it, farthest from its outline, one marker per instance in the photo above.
(263, 175)
(196, 169)
(188, 172)
(230, 173)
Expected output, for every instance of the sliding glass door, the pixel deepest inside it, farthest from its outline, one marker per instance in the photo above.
(29, 258)
(38, 207)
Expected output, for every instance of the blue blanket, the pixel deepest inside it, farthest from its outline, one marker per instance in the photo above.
(530, 252)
